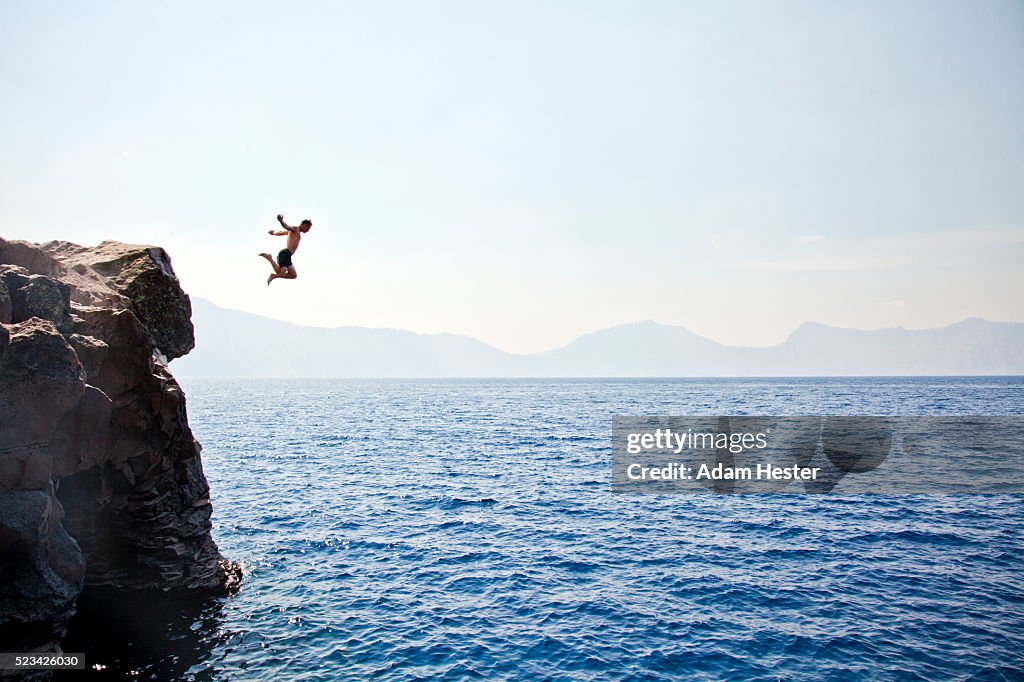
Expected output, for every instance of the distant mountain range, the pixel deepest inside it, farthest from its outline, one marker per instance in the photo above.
(236, 344)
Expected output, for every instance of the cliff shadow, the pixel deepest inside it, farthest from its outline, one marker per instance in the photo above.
(141, 635)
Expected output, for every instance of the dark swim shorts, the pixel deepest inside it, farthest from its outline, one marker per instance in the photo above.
(284, 258)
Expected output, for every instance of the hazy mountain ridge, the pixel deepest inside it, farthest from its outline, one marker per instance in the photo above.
(234, 343)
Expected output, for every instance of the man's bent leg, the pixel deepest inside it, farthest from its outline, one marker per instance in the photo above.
(273, 263)
(277, 269)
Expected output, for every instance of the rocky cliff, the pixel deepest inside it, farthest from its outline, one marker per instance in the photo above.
(101, 481)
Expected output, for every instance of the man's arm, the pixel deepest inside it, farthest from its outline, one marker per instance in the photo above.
(286, 226)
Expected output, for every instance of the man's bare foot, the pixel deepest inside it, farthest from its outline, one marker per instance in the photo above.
(265, 255)
(271, 278)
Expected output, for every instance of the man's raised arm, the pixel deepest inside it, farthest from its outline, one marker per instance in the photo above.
(289, 228)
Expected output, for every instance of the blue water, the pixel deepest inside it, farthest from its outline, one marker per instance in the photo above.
(410, 530)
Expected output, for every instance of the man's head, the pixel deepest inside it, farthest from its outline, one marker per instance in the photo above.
(305, 225)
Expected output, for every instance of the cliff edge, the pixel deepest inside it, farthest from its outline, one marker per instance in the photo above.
(101, 481)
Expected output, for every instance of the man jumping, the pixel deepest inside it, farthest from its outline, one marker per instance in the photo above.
(283, 268)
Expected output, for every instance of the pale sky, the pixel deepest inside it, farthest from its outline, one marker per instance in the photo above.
(525, 172)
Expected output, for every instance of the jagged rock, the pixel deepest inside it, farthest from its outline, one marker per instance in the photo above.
(82, 438)
(41, 569)
(30, 257)
(100, 477)
(90, 351)
(39, 296)
(112, 273)
(5, 303)
(113, 372)
(40, 380)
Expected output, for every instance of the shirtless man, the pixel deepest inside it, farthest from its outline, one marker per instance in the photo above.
(283, 268)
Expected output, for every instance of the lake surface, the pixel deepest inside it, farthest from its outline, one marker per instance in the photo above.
(408, 530)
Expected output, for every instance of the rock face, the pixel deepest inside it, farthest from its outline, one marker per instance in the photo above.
(101, 481)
